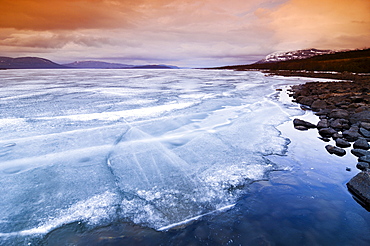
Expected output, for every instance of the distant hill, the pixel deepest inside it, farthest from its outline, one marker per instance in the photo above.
(356, 61)
(27, 63)
(96, 64)
(42, 63)
(293, 55)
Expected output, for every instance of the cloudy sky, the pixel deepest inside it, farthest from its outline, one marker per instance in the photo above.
(188, 33)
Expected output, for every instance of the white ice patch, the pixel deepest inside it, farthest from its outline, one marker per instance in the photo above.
(93, 211)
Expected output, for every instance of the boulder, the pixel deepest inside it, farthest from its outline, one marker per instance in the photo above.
(365, 125)
(363, 166)
(363, 116)
(327, 132)
(339, 124)
(365, 158)
(352, 134)
(359, 186)
(305, 100)
(360, 152)
(323, 123)
(318, 104)
(335, 150)
(342, 143)
(339, 114)
(298, 122)
(364, 132)
(361, 143)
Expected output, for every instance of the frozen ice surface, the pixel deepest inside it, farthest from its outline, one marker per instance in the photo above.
(155, 147)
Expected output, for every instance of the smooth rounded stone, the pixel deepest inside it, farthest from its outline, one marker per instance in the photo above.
(305, 100)
(323, 123)
(359, 186)
(325, 139)
(361, 143)
(318, 104)
(327, 132)
(352, 134)
(298, 122)
(301, 128)
(339, 114)
(342, 143)
(365, 158)
(363, 166)
(365, 125)
(364, 132)
(360, 152)
(363, 116)
(339, 124)
(335, 150)
(337, 135)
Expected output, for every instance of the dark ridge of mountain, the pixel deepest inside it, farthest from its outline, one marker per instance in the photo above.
(293, 55)
(27, 63)
(356, 61)
(97, 64)
(154, 67)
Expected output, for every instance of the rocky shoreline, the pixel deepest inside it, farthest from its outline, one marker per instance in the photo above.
(344, 112)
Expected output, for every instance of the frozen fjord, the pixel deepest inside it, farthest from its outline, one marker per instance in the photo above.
(155, 147)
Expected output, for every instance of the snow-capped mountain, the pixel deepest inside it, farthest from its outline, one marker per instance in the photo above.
(293, 55)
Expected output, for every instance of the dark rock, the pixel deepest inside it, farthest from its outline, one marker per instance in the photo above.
(359, 186)
(323, 124)
(339, 114)
(339, 124)
(301, 128)
(325, 139)
(337, 135)
(335, 150)
(364, 132)
(360, 152)
(365, 158)
(318, 104)
(327, 132)
(352, 134)
(348, 169)
(361, 143)
(298, 122)
(363, 116)
(323, 112)
(365, 125)
(363, 166)
(342, 143)
(305, 100)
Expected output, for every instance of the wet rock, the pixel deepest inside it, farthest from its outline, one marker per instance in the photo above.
(301, 128)
(337, 135)
(365, 125)
(342, 143)
(359, 186)
(364, 132)
(323, 123)
(339, 114)
(305, 100)
(352, 134)
(339, 124)
(325, 139)
(361, 143)
(360, 152)
(327, 132)
(365, 158)
(318, 104)
(363, 116)
(335, 150)
(363, 166)
(298, 122)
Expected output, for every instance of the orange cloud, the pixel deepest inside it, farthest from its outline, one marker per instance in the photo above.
(322, 24)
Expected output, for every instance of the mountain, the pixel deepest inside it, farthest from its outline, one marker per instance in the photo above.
(293, 55)
(107, 65)
(27, 63)
(356, 61)
(96, 64)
